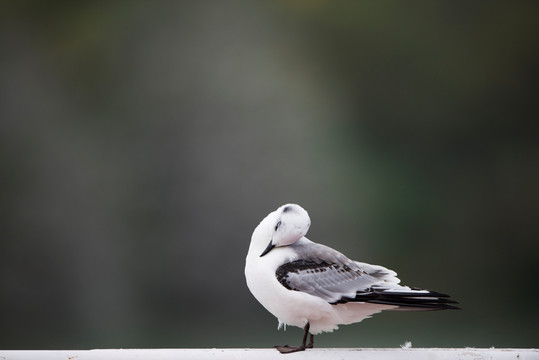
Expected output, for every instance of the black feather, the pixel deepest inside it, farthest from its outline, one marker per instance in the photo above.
(377, 295)
(428, 300)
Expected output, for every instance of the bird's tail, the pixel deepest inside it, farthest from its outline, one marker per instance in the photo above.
(412, 299)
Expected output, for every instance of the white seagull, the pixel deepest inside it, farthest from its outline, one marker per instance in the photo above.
(317, 288)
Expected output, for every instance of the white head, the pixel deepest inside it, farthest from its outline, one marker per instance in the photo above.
(287, 224)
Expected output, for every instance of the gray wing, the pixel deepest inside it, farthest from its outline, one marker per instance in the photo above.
(333, 282)
(326, 273)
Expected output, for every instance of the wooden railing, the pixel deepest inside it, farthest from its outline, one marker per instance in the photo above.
(261, 354)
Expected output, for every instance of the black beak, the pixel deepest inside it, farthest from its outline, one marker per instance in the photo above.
(268, 249)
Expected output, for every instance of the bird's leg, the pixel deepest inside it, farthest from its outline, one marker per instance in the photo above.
(287, 349)
(305, 332)
(311, 341)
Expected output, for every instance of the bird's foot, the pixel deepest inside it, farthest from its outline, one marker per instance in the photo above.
(287, 349)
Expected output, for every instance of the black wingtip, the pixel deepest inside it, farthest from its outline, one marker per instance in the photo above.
(416, 306)
(418, 299)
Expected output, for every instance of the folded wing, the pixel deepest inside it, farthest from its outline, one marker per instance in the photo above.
(340, 282)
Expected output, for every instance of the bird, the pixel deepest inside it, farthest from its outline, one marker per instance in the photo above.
(317, 288)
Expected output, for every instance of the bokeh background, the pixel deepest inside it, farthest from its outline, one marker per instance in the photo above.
(142, 142)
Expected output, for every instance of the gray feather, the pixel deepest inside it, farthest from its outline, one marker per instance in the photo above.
(326, 273)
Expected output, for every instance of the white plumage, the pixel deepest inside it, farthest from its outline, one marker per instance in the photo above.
(317, 288)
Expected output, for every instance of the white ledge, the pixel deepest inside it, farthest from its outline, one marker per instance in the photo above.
(261, 354)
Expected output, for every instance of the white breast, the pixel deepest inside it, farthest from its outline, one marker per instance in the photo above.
(288, 306)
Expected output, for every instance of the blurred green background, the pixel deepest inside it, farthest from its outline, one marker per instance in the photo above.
(142, 142)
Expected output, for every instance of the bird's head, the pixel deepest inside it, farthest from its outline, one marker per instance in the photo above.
(288, 223)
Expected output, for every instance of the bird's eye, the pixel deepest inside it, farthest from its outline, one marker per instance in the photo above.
(277, 225)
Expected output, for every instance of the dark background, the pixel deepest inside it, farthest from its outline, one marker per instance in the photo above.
(141, 143)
